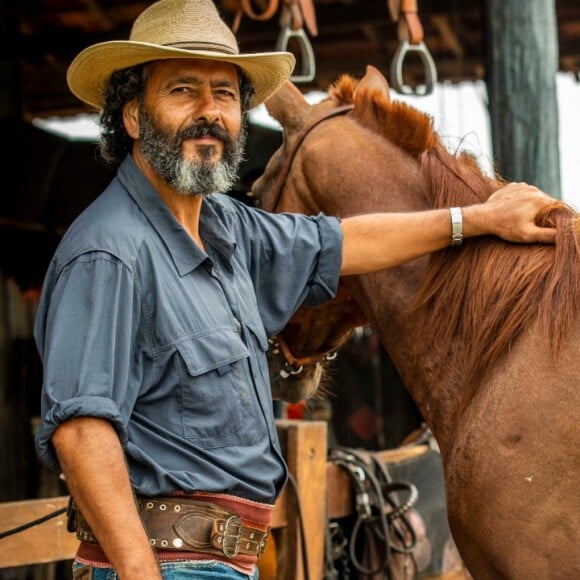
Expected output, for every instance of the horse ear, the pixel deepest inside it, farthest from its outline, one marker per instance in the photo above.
(374, 81)
(286, 104)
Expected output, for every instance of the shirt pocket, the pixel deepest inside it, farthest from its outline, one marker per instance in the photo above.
(216, 389)
(256, 326)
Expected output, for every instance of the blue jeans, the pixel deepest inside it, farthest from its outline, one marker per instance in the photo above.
(176, 571)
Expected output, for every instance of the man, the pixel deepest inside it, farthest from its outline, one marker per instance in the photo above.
(157, 305)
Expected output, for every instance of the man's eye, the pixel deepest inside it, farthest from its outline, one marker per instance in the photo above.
(226, 93)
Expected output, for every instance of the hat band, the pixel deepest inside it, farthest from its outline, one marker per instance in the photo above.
(209, 46)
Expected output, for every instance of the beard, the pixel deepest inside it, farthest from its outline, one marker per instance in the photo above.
(204, 176)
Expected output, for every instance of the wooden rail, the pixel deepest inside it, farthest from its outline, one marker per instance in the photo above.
(304, 447)
(320, 485)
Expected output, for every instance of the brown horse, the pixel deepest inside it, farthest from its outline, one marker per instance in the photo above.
(486, 338)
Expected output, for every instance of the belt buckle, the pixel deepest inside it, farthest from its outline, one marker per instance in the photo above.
(232, 522)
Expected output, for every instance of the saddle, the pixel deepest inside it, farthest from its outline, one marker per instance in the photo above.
(399, 529)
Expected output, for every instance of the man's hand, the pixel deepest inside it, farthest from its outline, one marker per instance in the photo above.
(511, 213)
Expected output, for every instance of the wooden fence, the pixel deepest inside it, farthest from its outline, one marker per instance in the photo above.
(323, 490)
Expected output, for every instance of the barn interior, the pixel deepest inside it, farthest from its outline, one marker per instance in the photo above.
(49, 179)
(41, 37)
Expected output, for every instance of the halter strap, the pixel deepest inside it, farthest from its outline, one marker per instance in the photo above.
(285, 171)
(295, 365)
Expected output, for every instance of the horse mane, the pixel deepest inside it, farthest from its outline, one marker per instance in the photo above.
(486, 293)
(398, 122)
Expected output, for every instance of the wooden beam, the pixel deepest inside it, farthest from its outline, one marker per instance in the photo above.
(521, 84)
(47, 542)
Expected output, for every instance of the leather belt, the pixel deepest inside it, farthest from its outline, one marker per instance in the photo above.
(188, 525)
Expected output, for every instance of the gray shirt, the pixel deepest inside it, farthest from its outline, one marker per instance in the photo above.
(137, 325)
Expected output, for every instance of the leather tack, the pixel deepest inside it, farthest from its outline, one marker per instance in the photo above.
(185, 524)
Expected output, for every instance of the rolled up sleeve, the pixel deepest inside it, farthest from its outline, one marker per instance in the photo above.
(325, 280)
(85, 331)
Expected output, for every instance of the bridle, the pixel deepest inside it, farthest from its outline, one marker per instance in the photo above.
(285, 171)
(293, 365)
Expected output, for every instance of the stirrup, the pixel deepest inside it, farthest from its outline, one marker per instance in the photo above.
(397, 68)
(306, 52)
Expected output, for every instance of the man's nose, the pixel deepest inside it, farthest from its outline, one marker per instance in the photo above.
(207, 109)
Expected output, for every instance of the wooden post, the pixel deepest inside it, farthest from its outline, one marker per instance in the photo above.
(304, 444)
(522, 62)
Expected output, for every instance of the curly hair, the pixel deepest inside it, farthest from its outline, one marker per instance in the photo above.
(125, 85)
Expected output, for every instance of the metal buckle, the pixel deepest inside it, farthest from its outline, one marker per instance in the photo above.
(263, 541)
(232, 521)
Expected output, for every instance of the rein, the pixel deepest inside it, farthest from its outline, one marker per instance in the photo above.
(381, 517)
(294, 365)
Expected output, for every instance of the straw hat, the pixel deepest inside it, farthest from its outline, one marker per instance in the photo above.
(175, 29)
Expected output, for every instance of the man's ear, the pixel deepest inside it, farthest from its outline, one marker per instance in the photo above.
(131, 118)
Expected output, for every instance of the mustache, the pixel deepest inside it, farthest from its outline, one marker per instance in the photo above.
(204, 130)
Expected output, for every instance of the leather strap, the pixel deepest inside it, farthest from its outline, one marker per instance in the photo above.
(296, 14)
(406, 13)
(299, 13)
(245, 7)
(184, 524)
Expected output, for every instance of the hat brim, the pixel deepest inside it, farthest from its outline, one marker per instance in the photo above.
(89, 72)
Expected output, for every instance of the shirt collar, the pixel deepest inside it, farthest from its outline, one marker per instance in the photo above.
(185, 253)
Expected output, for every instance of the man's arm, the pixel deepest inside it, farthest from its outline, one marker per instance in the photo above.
(93, 463)
(376, 241)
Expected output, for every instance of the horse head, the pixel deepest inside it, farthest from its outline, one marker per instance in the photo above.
(312, 335)
(359, 140)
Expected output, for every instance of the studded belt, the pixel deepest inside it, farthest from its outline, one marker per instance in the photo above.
(184, 524)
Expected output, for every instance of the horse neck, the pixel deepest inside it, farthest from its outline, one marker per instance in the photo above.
(431, 383)
(388, 181)
(400, 328)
